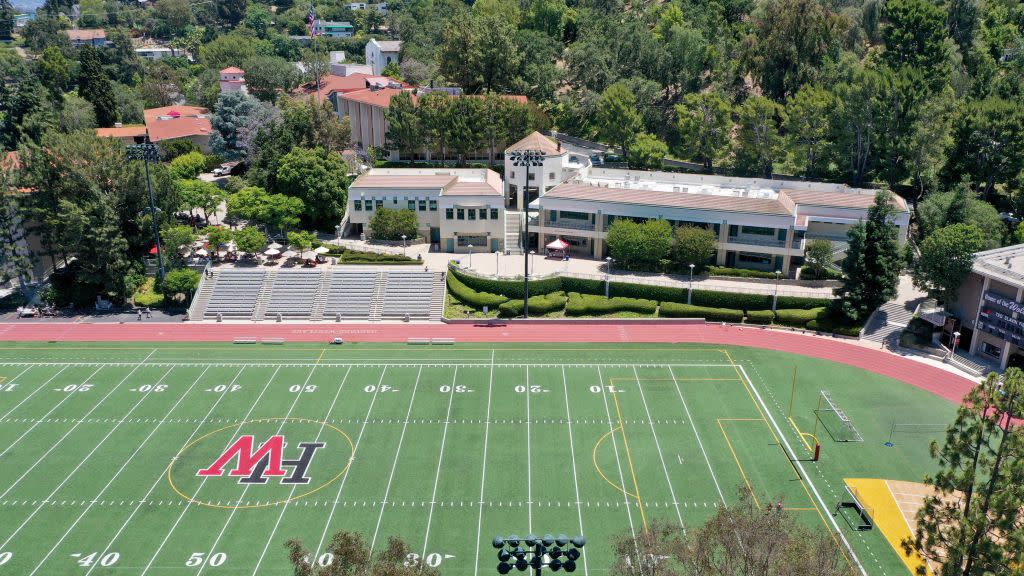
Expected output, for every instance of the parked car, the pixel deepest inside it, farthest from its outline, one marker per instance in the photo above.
(28, 312)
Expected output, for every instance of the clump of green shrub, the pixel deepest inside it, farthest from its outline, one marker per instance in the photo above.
(798, 318)
(471, 297)
(593, 305)
(830, 324)
(539, 305)
(760, 317)
(676, 310)
(739, 272)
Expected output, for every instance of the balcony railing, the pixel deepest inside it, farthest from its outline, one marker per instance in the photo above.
(569, 224)
(758, 241)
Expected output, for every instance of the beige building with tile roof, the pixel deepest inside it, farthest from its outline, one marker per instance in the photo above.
(456, 207)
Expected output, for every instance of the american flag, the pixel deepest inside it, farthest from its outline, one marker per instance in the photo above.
(311, 19)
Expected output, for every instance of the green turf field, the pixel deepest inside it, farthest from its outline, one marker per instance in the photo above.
(100, 448)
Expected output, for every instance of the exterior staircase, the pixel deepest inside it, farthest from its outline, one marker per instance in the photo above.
(264, 296)
(513, 226)
(886, 324)
(966, 364)
(202, 298)
(377, 301)
(320, 298)
(438, 297)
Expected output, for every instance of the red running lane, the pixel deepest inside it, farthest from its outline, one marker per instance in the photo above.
(924, 376)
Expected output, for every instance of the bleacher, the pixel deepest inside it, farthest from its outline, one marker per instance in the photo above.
(324, 294)
(408, 292)
(350, 294)
(234, 294)
(292, 294)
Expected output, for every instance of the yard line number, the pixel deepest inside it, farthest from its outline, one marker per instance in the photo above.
(200, 558)
(86, 560)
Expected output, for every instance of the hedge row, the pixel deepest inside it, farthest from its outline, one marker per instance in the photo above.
(739, 272)
(592, 305)
(471, 297)
(827, 324)
(797, 318)
(760, 317)
(539, 305)
(514, 289)
(807, 273)
(676, 310)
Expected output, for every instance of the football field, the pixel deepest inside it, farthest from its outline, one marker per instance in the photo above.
(206, 458)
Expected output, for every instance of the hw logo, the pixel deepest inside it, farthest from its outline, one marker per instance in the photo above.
(254, 466)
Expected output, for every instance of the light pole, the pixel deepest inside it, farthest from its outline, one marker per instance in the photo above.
(497, 263)
(147, 152)
(775, 298)
(689, 293)
(533, 254)
(526, 159)
(403, 245)
(536, 553)
(607, 276)
(470, 246)
(956, 340)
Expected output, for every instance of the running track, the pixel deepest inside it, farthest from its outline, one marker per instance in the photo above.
(931, 378)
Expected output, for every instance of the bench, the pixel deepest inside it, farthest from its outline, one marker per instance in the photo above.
(245, 340)
(443, 341)
(419, 341)
(273, 341)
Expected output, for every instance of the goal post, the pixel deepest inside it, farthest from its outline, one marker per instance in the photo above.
(908, 429)
(834, 420)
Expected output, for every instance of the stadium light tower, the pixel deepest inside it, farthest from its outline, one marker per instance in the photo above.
(536, 553)
(527, 158)
(147, 152)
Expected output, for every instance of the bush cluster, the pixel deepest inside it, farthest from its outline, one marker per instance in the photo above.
(739, 272)
(677, 310)
(593, 305)
(808, 273)
(539, 305)
(760, 317)
(797, 318)
(471, 297)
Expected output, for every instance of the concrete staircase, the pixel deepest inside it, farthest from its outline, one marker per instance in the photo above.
(202, 298)
(966, 364)
(887, 322)
(437, 298)
(264, 297)
(320, 298)
(377, 302)
(513, 226)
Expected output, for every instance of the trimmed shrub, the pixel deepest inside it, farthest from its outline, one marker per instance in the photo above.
(798, 317)
(760, 317)
(808, 273)
(792, 302)
(829, 324)
(511, 288)
(471, 297)
(739, 272)
(539, 305)
(592, 305)
(676, 310)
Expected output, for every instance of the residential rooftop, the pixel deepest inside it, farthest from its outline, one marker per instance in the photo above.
(451, 182)
(170, 122)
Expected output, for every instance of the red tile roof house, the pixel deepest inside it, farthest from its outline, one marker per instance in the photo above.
(179, 122)
(92, 36)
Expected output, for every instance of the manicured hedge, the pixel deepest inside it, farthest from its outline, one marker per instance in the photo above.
(739, 272)
(760, 317)
(827, 323)
(792, 302)
(512, 289)
(807, 273)
(798, 317)
(539, 305)
(592, 305)
(471, 297)
(676, 310)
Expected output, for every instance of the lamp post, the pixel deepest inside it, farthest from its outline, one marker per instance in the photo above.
(689, 293)
(775, 298)
(403, 244)
(533, 254)
(956, 340)
(497, 263)
(536, 553)
(147, 152)
(470, 246)
(607, 276)
(526, 159)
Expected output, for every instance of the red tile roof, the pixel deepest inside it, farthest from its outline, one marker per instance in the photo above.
(232, 70)
(379, 98)
(538, 141)
(183, 121)
(331, 83)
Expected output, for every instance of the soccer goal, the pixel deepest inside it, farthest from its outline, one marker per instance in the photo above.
(862, 514)
(901, 430)
(834, 420)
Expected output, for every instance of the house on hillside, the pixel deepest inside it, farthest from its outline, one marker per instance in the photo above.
(333, 29)
(88, 37)
(232, 79)
(380, 53)
(179, 123)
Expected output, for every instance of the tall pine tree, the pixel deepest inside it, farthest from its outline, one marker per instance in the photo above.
(94, 86)
(872, 265)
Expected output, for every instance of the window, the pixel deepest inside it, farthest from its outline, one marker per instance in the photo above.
(423, 205)
(475, 241)
(368, 204)
(566, 215)
(511, 174)
(358, 205)
(448, 213)
(483, 213)
(992, 350)
(412, 204)
(758, 230)
(472, 214)
(380, 203)
(754, 258)
(551, 175)
(460, 213)
(494, 213)
(531, 176)
(433, 205)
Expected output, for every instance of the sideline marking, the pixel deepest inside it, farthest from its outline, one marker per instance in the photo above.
(483, 471)
(629, 459)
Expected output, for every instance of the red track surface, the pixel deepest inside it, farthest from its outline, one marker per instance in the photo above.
(930, 378)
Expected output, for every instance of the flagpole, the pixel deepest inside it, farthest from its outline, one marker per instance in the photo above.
(312, 39)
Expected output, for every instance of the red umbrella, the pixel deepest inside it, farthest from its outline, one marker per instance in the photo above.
(153, 250)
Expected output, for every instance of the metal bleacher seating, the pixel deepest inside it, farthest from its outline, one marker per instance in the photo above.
(292, 294)
(408, 292)
(350, 294)
(235, 293)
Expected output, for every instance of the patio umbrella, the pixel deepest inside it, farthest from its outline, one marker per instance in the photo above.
(274, 246)
(272, 252)
(322, 250)
(201, 252)
(289, 253)
(557, 244)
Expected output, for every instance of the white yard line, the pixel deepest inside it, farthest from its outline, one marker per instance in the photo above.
(344, 479)
(693, 425)
(245, 490)
(618, 462)
(67, 396)
(529, 466)
(81, 463)
(121, 469)
(483, 471)
(440, 458)
(284, 507)
(572, 454)
(394, 462)
(160, 477)
(72, 429)
(661, 455)
(375, 362)
(41, 386)
(799, 464)
(188, 504)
